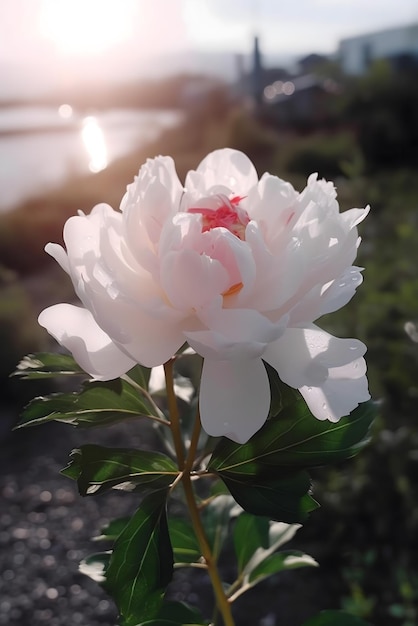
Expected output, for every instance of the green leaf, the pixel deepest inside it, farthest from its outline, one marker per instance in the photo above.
(169, 622)
(97, 404)
(141, 565)
(216, 516)
(95, 566)
(279, 533)
(267, 475)
(282, 495)
(180, 613)
(47, 365)
(98, 469)
(276, 390)
(51, 364)
(260, 559)
(279, 562)
(250, 532)
(335, 618)
(295, 438)
(183, 540)
(140, 375)
(112, 530)
(218, 488)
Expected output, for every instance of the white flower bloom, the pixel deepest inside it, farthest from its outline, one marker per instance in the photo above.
(240, 268)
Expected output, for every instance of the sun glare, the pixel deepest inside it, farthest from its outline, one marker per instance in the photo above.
(86, 27)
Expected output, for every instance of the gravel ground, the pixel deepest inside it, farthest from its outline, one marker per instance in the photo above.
(46, 528)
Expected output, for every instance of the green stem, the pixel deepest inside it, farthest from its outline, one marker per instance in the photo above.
(239, 592)
(221, 599)
(185, 465)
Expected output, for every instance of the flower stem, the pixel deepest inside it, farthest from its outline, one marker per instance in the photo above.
(221, 599)
(186, 465)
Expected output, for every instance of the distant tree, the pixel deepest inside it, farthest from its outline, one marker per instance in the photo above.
(383, 106)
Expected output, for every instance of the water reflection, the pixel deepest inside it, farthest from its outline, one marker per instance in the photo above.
(94, 142)
(41, 146)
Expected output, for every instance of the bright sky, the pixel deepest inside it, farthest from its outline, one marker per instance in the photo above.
(293, 26)
(63, 39)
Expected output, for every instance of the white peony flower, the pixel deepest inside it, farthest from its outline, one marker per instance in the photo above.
(239, 268)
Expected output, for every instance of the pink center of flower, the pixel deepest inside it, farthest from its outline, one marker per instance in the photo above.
(229, 215)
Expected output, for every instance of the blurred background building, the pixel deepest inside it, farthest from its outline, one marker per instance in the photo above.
(397, 45)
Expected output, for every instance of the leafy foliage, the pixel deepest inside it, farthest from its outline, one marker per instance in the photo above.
(47, 365)
(97, 469)
(216, 517)
(256, 541)
(19, 334)
(97, 404)
(95, 566)
(113, 529)
(294, 438)
(267, 475)
(283, 496)
(177, 614)
(183, 540)
(141, 564)
(250, 534)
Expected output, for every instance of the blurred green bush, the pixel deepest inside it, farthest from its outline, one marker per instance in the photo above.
(19, 335)
(326, 154)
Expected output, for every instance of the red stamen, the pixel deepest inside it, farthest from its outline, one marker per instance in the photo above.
(231, 217)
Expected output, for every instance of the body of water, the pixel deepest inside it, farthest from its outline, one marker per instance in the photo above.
(41, 146)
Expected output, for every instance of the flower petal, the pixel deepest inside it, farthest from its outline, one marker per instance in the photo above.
(149, 339)
(59, 254)
(150, 201)
(234, 398)
(124, 299)
(239, 268)
(272, 204)
(235, 256)
(345, 388)
(320, 366)
(233, 333)
(192, 280)
(75, 329)
(303, 356)
(222, 171)
(274, 286)
(323, 299)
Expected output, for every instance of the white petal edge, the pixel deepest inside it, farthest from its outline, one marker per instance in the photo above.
(338, 396)
(329, 372)
(233, 333)
(75, 329)
(304, 356)
(58, 253)
(226, 168)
